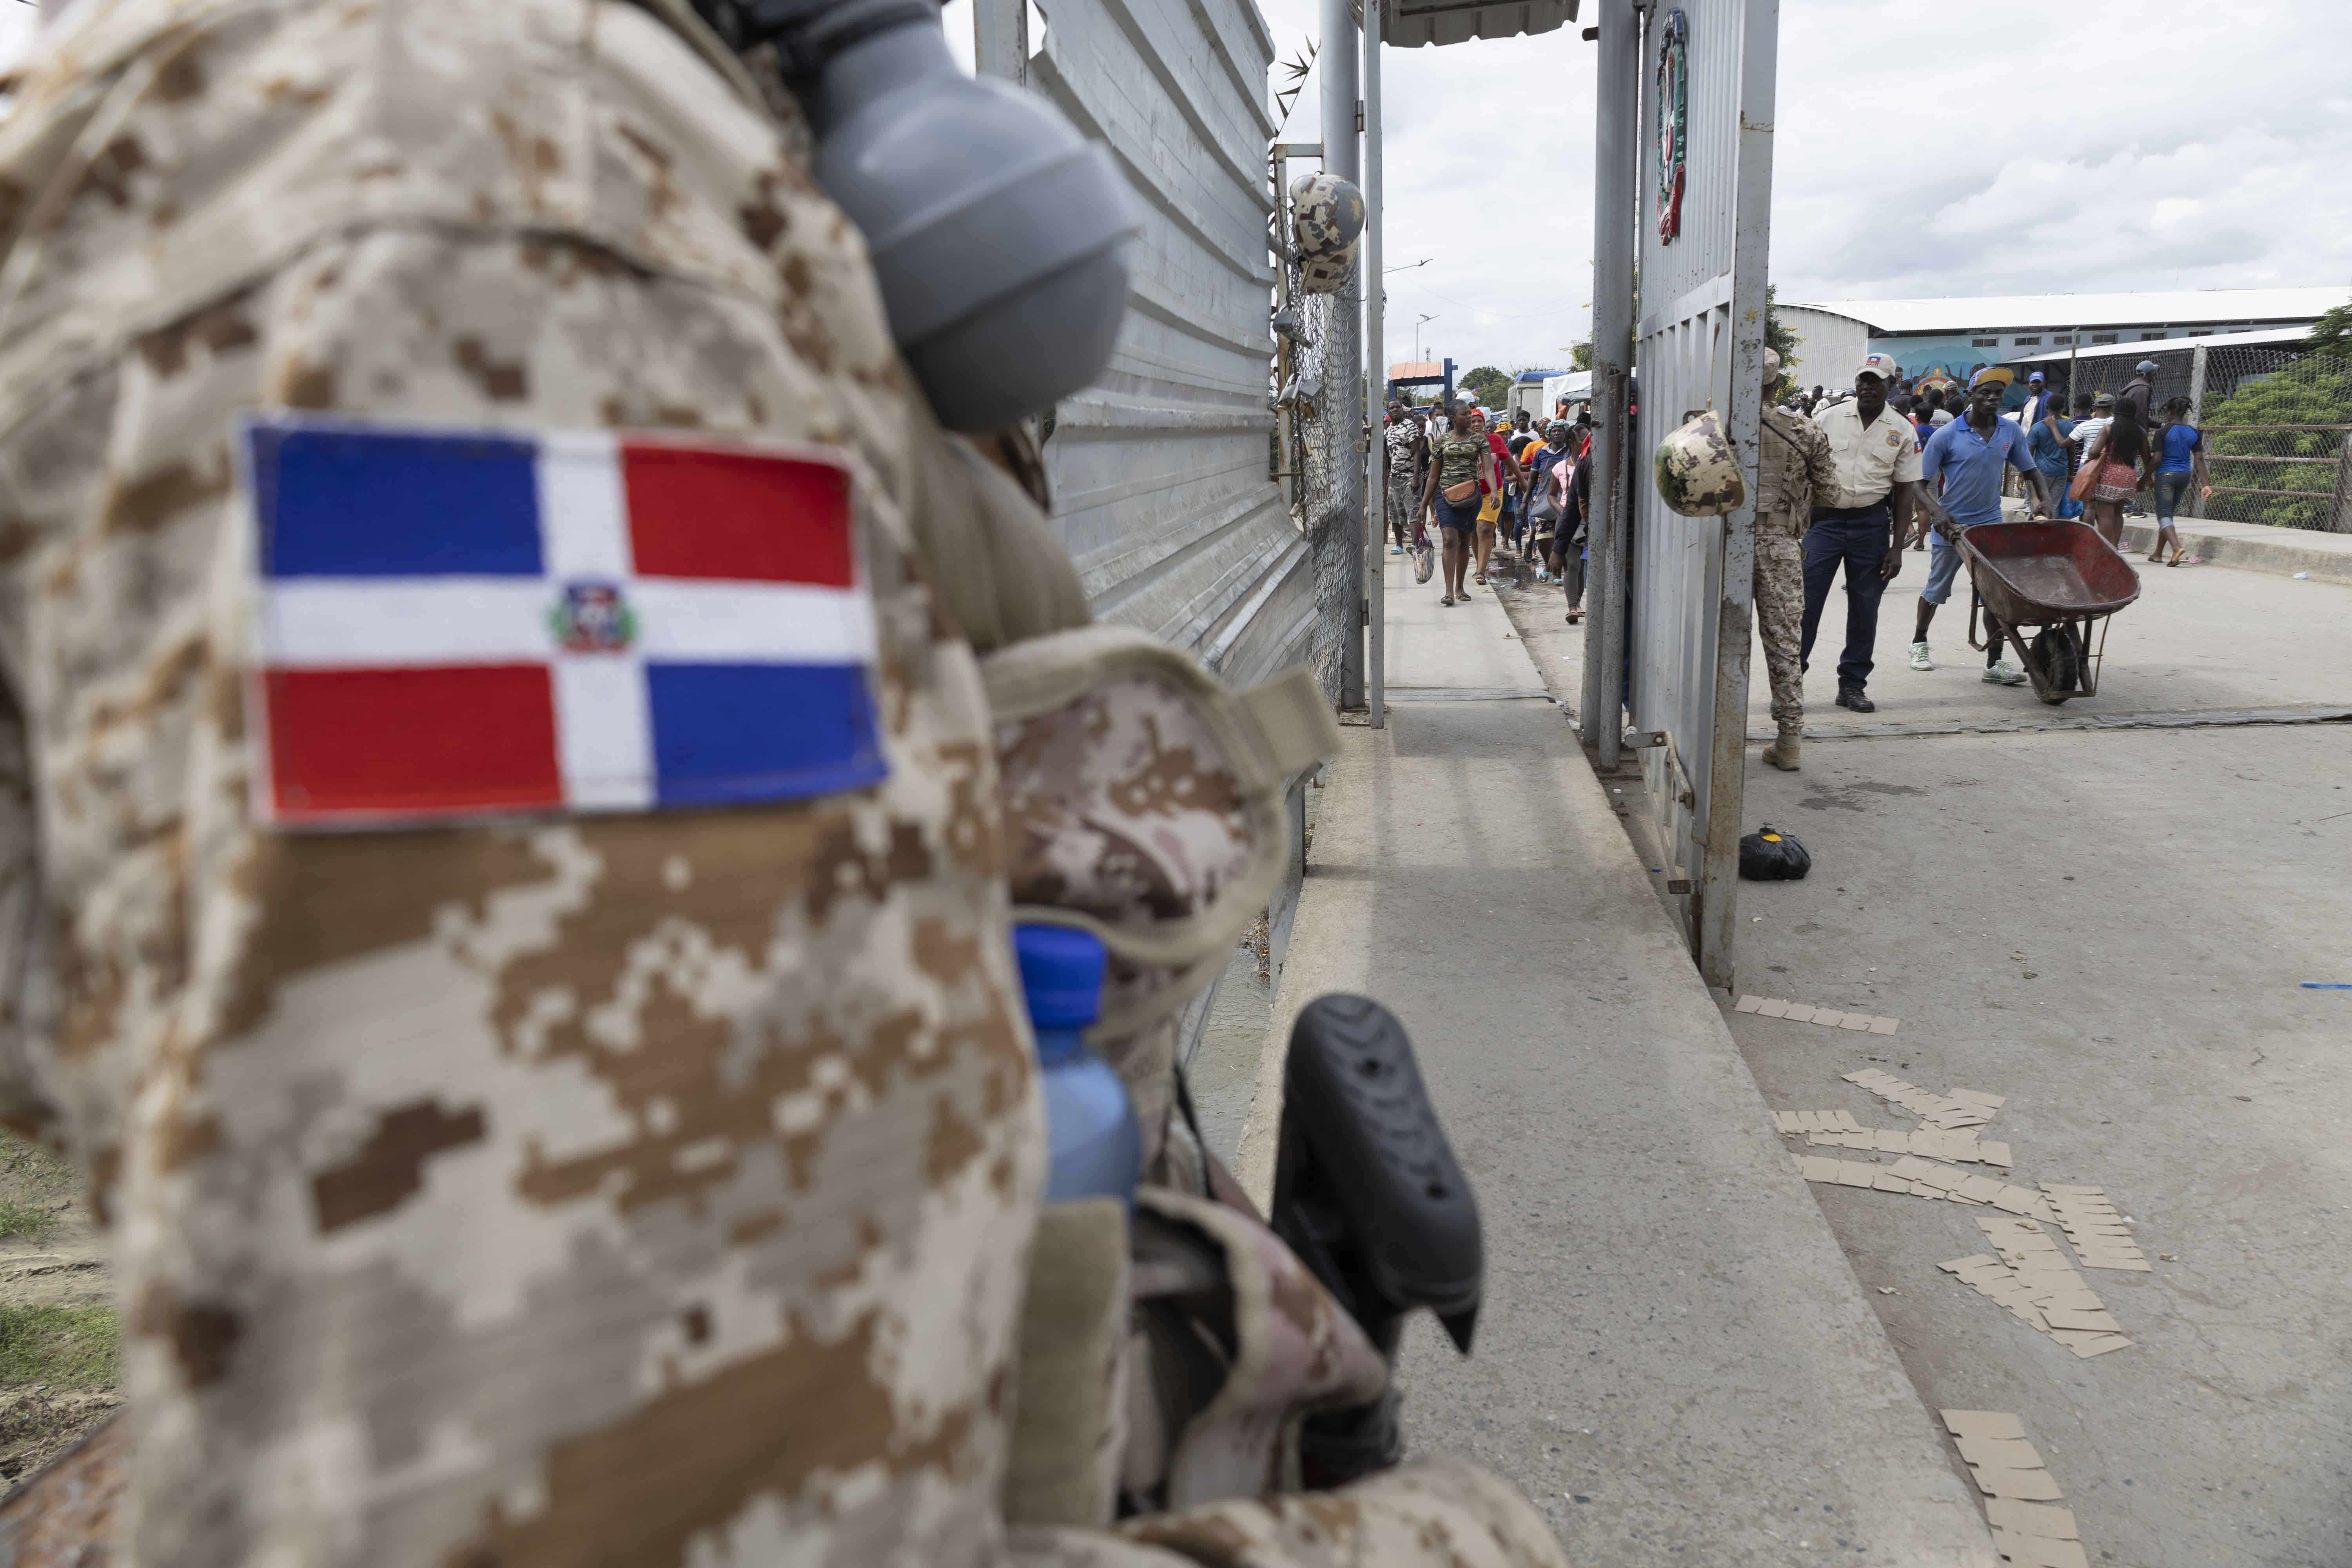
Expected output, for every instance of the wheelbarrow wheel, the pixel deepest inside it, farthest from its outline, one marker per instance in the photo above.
(2057, 656)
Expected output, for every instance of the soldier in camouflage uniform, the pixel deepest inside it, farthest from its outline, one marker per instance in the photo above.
(588, 1189)
(1793, 467)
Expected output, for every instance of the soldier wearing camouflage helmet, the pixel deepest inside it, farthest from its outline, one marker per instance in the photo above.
(1792, 467)
(522, 741)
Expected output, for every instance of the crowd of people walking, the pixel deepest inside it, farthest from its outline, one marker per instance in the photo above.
(1481, 481)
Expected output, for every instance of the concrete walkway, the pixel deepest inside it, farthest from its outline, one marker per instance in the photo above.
(2325, 556)
(1675, 1358)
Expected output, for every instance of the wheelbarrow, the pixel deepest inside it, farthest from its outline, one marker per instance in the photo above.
(2058, 580)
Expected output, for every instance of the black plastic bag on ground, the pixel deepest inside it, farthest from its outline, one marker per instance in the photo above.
(1768, 855)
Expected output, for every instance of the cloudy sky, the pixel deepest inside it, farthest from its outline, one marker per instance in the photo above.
(1923, 150)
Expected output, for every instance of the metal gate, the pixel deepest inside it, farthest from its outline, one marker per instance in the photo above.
(1702, 210)
(1160, 474)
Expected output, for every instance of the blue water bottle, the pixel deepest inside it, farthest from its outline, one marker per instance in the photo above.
(1097, 1148)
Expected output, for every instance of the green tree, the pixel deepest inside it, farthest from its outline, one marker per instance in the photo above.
(1490, 386)
(1782, 341)
(2256, 420)
(2332, 333)
(1580, 355)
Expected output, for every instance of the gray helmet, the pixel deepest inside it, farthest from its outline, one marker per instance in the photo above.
(998, 233)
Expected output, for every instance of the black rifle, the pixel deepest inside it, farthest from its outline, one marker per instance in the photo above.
(1366, 1193)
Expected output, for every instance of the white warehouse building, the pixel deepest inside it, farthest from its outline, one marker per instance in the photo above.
(1953, 337)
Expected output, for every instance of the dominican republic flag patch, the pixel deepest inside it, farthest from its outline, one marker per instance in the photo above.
(455, 624)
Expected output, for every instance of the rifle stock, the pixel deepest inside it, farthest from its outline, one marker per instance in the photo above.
(1368, 1193)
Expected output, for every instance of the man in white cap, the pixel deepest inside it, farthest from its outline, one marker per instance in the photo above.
(1863, 521)
(2037, 402)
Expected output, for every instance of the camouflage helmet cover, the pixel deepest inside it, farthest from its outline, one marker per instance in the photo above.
(1327, 222)
(1698, 469)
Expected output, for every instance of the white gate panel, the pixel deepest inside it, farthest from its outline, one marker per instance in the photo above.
(1699, 343)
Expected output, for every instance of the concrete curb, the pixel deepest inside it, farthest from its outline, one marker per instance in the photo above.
(2327, 557)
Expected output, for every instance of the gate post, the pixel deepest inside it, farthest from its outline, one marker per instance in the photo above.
(2196, 409)
(1615, 150)
(1000, 36)
(1716, 902)
(1342, 414)
(2339, 510)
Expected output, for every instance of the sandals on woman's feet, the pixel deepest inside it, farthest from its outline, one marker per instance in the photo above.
(1479, 578)
(1447, 601)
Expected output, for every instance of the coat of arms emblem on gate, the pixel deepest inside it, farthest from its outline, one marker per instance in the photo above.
(1673, 122)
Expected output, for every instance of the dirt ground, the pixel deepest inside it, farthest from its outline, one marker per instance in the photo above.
(57, 1355)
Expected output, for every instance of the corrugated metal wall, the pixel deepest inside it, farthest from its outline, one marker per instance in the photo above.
(1828, 347)
(1699, 343)
(1159, 470)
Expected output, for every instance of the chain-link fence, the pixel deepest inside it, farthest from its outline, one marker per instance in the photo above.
(2278, 438)
(1317, 349)
(2277, 421)
(1328, 321)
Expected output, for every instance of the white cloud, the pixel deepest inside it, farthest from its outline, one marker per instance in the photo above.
(1993, 147)
(1997, 147)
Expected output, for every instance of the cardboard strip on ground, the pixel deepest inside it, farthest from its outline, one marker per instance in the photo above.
(2037, 1551)
(2099, 1235)
(2007, 1468)
(2030, 1517)
(1805, 1013)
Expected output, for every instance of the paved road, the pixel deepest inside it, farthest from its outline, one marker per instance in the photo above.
(2200, 638)
(2109, 930)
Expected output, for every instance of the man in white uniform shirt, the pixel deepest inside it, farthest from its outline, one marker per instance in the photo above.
(1861, 526)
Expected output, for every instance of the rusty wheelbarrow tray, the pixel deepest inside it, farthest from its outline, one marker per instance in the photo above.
(2059, 578)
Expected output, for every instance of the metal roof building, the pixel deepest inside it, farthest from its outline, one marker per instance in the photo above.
(1955, 335)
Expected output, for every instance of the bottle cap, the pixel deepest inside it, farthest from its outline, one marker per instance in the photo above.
(1061, 975)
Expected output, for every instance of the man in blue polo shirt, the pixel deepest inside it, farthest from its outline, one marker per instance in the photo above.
(1960, 469)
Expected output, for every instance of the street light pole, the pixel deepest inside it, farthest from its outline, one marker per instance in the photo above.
(1616, 173)
(1342, 412)
(1416, 338)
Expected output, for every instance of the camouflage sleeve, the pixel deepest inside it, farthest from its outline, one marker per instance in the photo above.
(1430, 1514)
(1820, 463)
(510, 1192)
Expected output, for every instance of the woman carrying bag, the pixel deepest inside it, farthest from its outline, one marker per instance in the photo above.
(2117, 464)
(1451, 493)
